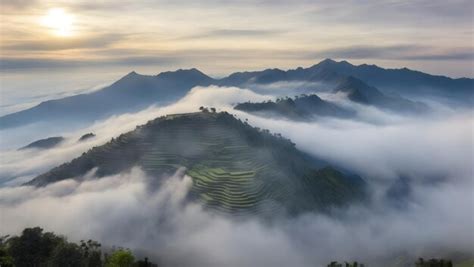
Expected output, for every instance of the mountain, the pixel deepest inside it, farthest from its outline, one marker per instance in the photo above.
(360, 92)
(235, 168)
(403, 82)
(131, 93)
(134, 91)
(46, 143)
(276, 75)
(305, 107)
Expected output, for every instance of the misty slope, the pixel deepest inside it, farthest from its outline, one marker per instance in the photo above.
(130, 93)
(362, 93)
(305, 107)
(235, 168)
(46, 143)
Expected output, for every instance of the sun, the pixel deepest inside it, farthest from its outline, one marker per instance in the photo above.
(59, 22)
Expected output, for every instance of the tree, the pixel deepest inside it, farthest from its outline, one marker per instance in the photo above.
(91, 253)
(213, 110)
(66, 254)
(5, 259)
(420, 262)
(33, 247)
(120, 258)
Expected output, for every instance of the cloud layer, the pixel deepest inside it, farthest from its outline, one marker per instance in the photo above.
(434, 219)
(273, 34)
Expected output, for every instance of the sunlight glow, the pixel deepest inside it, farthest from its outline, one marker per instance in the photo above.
(59, 21)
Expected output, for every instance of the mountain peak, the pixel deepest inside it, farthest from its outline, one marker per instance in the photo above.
(183, 73)
(327, 61)
(332, 63)
(131, 74)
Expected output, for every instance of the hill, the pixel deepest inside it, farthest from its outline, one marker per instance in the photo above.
(305, 107)
(235, 168)
(46, 143)
(360, 92)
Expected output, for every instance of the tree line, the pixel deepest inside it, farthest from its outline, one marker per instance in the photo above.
(35, 248)
(419, 263)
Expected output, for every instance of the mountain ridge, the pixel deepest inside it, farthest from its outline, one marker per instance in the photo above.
(135, 91)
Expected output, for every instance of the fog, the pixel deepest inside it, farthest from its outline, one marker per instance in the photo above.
(433, 153)
(121, 210)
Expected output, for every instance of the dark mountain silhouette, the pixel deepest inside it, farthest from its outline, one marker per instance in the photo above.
(131, 93)
(360, 92)
(403, 82)
(46, 143)
(135, 91)
(312, 74)
(235, 168)
(305, 107)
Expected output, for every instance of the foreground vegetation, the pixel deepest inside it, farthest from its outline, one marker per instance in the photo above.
(37, 248)
(419, 263)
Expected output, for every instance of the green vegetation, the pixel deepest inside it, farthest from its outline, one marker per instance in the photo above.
(37, 248)
(236, 168)
(419, 263)
(120, 258)
(433, 263)
(468, 263)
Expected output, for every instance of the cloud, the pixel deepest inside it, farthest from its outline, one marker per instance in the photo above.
(17, 4)
(103, 40)
(233, 33)
(395, 52)
(18, 166)
(20, 63)
(125, 210)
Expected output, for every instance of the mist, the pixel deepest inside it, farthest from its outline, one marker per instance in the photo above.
(122, 210)
(432, 152)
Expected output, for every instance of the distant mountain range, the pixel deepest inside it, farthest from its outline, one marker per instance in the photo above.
(134, 91)
(304, 108)
(235, 168)
(403, 82)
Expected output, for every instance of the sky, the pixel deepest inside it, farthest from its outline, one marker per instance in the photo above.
(223, 36)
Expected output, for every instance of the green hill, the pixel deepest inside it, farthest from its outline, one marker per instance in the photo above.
(304, 108)
(235, 168)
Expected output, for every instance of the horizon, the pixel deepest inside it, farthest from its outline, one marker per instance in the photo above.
(290, 68)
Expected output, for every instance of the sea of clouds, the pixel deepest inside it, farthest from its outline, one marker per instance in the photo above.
(433, 153)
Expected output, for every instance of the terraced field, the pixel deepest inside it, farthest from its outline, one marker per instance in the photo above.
(236, 169)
